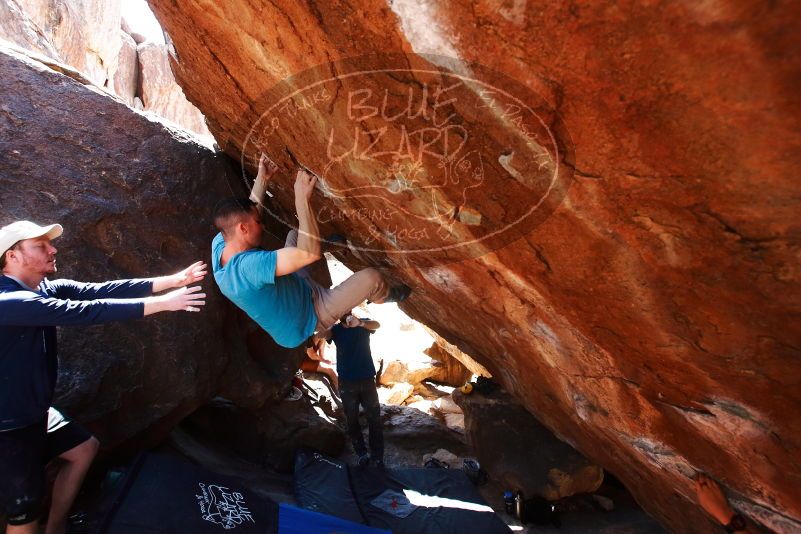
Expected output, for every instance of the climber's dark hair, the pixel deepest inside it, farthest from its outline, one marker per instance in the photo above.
(230, 211)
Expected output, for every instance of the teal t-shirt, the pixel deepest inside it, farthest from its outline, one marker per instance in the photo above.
(281, 305)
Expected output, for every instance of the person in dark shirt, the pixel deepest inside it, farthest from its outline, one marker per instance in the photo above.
(357, 384)
(32, 432)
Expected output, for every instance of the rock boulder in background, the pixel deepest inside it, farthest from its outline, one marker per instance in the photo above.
(519, 451)
(126, 77)
(159, 92)
(81, 33)
(88, 35)
(268, 438)
(135, 198)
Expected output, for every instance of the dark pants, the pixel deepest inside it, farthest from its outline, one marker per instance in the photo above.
(354, 393)
(24, 454)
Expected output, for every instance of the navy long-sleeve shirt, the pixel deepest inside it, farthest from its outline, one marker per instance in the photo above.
(28, 349)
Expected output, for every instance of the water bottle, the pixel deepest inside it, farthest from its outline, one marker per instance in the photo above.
(519, 505)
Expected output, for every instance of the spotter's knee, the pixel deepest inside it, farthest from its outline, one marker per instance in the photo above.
(24, 509)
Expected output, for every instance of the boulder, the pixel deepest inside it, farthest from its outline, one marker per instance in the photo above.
(127, 73)
(435, 365)
(17, 27)
(268, 437)
(412, 370)
(446, 404)
(444, 456)
(128, 28)
(641, 308)
(454, 421)
(430, 390)
(80, 33)
(395, 394)
(450, 370)
(159, 92)
(519, 451)
(444, 347)
(409, 434)
(87, 36)
(134, 196)
(425, 406)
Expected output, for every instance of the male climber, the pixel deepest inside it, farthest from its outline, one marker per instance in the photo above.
(32, 432)
(271, 286)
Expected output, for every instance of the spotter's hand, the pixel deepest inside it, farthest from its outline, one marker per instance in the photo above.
(185, 299)
(192, 274)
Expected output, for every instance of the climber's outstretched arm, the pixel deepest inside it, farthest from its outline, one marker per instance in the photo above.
(307, 251)
(267, 169)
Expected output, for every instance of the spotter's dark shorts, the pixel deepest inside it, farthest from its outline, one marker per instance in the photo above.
(24, 454)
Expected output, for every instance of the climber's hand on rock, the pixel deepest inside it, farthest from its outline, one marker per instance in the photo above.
(267, 167)
(712, 499)
(304, 184)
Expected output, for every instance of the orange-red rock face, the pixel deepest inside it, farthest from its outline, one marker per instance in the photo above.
(652, 319)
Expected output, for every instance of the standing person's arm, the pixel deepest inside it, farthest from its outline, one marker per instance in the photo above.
(369, 324)
(184, 299)
(26, 308)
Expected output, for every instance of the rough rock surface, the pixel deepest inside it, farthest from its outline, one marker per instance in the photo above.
(80, 33)
(450, 371)
(17, 27)
(87, 35)
(443, 347)
(436, 365)
(503, 435)
(395, 394)
(412, 370)
(409, 434)
(69, 153)
(159, 92)
(126, 77)
(265, 437)
(651, 318)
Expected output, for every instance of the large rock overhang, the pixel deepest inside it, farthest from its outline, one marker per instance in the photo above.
(651, 318)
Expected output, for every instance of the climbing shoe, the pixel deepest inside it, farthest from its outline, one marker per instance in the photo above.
(399, 293)
(363, 460)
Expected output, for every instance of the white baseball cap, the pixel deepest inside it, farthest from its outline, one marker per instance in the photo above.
(19, 230)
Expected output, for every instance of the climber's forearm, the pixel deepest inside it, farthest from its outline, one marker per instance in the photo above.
(308, 232)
